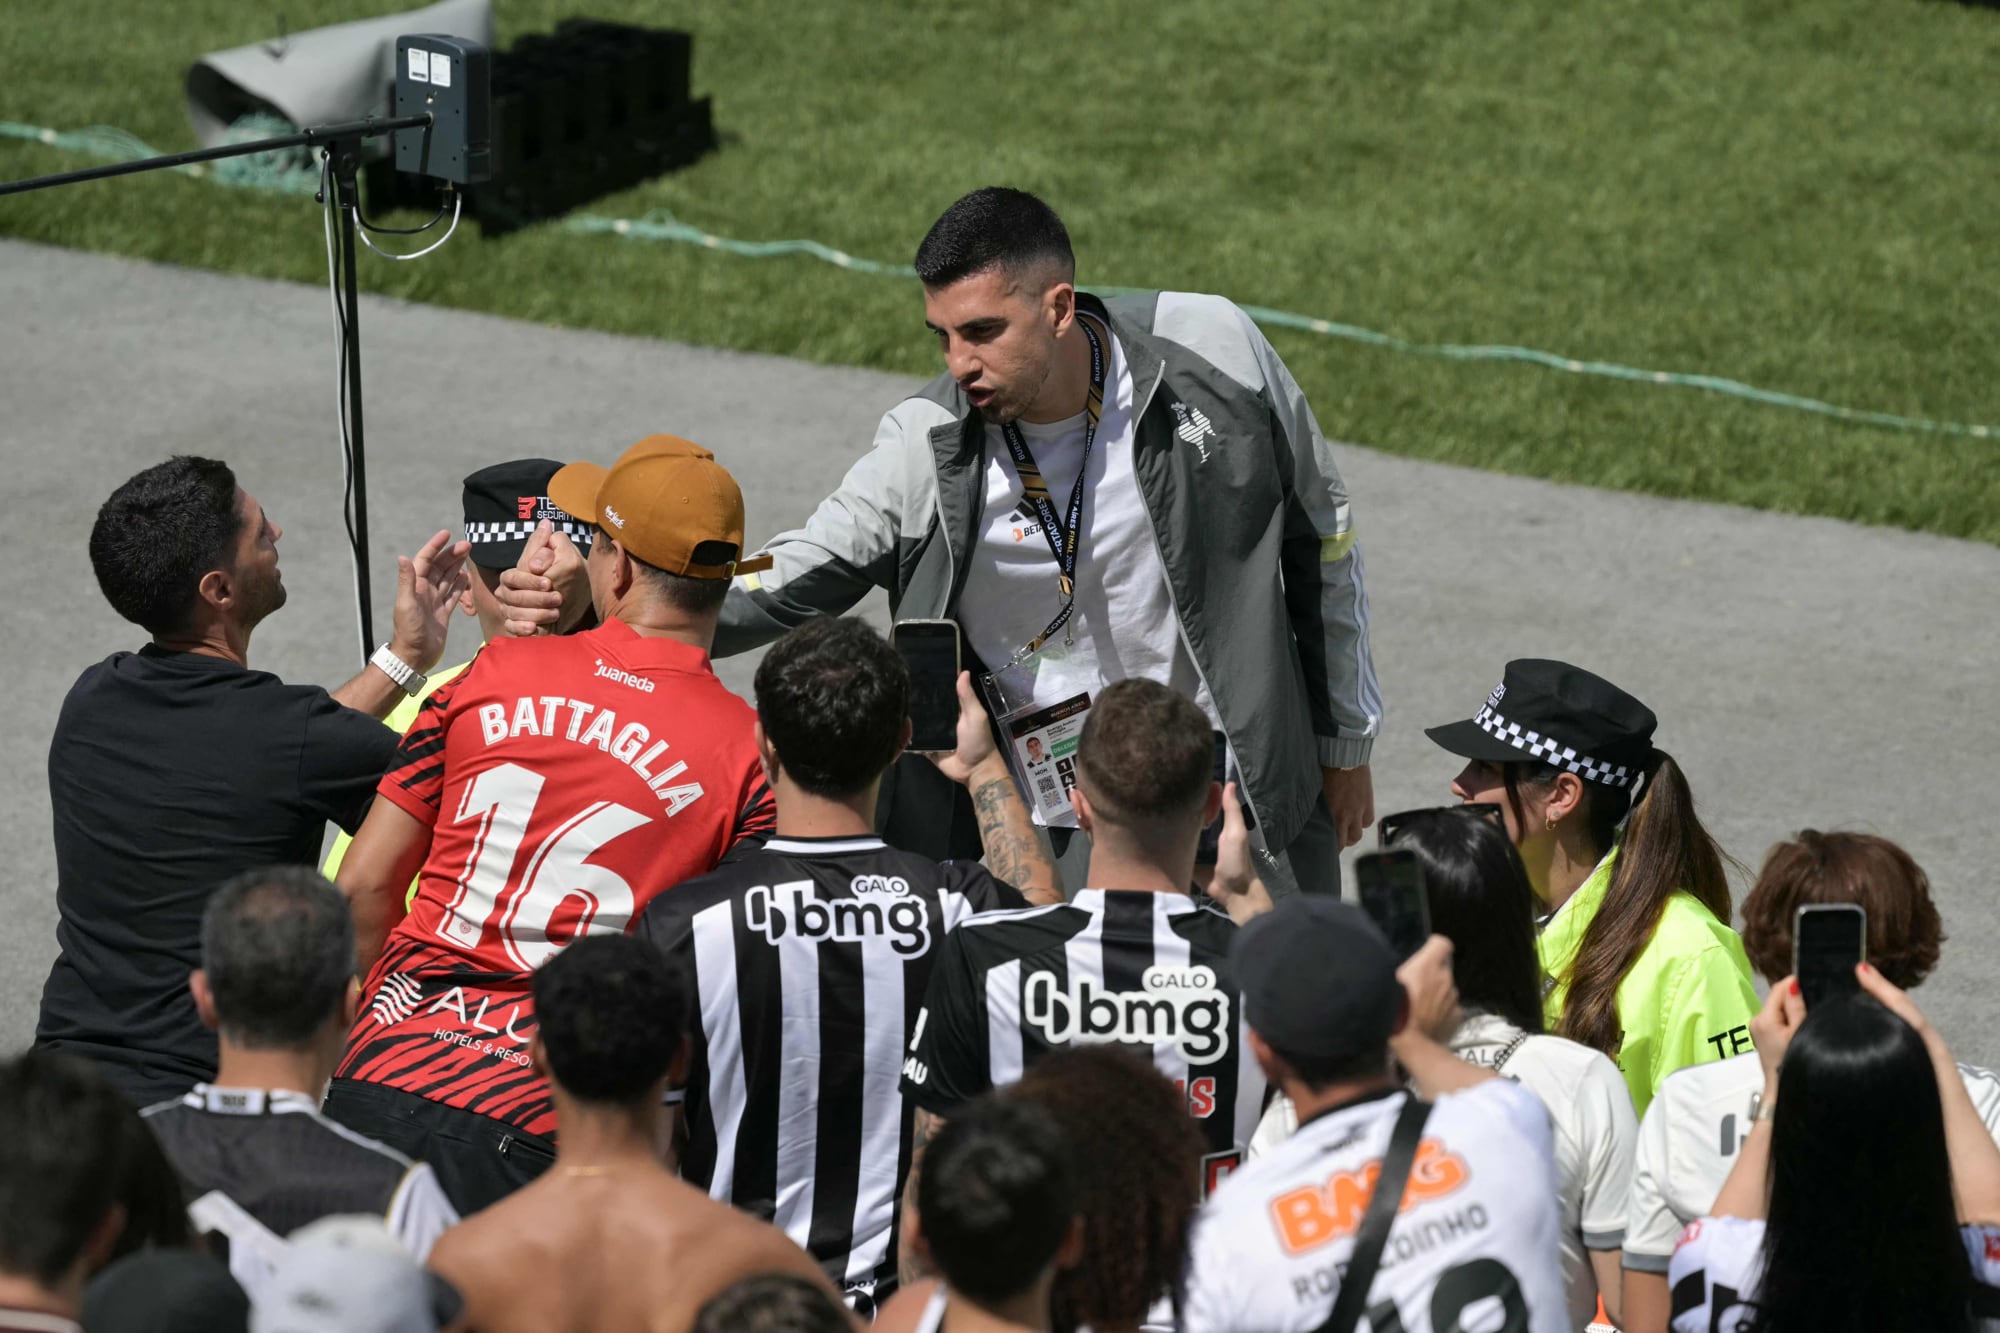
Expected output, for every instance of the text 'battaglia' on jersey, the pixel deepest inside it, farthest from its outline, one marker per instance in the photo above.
(567, 783)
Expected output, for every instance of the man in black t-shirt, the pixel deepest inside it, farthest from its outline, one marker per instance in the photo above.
(811, 956)
(177, 766)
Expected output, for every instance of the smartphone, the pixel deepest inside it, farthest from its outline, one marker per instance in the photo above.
(1391, 885)
(1828, 939)
(930, 650)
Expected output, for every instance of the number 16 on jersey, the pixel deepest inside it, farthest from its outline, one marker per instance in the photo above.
(557, 879)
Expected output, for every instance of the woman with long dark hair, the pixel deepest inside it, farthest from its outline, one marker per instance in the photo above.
(1867, 1195)
(1481, 900)
(1642, 963)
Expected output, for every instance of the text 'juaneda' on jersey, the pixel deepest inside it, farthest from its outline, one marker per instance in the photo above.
(561, 718)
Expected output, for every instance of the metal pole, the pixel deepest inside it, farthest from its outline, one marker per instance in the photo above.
(357, 129)
(347, 198)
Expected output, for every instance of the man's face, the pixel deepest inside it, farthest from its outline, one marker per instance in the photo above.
(1034, 750)
(260, 588)
(998, 336)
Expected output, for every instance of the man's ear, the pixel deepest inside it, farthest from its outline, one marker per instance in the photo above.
(767, 753)
(104, 1238)
(350, 1004)
(216, 588)
(1211, 807)
(623, 572)
(1060, 302)
(1085, 817)
(204, 999)
(1267, 1059)
(677, 1068)
(538, 1057)
(1070, 1253)
(1402, 1015)
(902, 741)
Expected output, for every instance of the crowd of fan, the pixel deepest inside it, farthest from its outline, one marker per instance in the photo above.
(764, 1056)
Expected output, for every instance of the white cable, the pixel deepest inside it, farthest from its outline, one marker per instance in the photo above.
(457, 203)
(340, 390)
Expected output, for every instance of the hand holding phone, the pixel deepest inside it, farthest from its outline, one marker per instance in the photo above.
(1391, 886)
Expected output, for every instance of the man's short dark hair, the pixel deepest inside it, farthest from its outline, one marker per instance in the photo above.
(278, 947)
(1147, 756)
(611, 1013)
(1319, 1072)
(64, 1129)
(694, 597)
(833, 697)
(995, 226)
(996, 1197)
(772, 1303)
(159, 534)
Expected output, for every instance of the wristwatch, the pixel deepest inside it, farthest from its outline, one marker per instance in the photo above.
(395, 668)
(1762, 1109)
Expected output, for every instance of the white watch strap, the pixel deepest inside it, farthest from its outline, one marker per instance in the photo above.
(395, 668)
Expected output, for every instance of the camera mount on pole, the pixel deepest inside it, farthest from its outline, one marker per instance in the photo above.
(442, 87)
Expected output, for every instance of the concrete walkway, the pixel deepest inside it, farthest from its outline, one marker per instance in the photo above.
(1807, 672)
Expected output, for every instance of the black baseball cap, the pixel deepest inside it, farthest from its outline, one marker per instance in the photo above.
(1318, 979)
(1554, 713)
(504, 504)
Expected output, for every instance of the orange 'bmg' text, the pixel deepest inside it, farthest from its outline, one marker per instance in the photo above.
(1312, 1215)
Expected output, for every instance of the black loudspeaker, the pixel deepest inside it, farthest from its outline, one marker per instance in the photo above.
(586, 111)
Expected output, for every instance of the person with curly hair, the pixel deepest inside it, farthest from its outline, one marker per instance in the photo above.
(1138, 1161)
(1690, 1136)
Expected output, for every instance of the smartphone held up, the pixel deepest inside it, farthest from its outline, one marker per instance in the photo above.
(1391, 888)
(930, 650)
(1828, 941)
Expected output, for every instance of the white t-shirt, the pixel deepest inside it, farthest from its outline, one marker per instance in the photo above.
(1726, 1256)
(1596, 1135)
(1688, 1142)
(1477, 1234)
(1124, 625)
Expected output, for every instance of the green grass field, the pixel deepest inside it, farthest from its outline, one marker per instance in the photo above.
(1800, 195)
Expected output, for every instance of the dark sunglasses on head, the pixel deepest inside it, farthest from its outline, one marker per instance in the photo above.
(1390, 825)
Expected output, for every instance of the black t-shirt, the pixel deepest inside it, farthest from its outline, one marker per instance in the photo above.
(169, 773)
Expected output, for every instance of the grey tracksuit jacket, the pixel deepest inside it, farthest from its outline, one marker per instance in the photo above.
(1250, 513)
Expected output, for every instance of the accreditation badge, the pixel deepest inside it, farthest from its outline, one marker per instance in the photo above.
(1040, 704)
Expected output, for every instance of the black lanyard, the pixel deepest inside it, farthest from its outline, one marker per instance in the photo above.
(1061, 535)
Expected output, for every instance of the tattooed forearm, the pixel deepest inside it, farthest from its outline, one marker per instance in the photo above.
(923, 1128)
(1013, 852)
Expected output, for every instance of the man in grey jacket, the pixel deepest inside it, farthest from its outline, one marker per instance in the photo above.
(1209, 544)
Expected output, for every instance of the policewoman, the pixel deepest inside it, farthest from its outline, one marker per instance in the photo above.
(1640, 959)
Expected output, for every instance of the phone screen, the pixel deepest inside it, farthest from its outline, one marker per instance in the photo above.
(930, 650)
(1827, 941)
(1391, 885)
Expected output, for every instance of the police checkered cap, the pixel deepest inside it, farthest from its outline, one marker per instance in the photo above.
(504, 504)
(1561, 715)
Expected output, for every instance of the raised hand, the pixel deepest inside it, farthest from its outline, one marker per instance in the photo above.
(429, 586)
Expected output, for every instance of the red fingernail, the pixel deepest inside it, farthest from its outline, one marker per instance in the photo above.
(1795, 985)
(1866, 968)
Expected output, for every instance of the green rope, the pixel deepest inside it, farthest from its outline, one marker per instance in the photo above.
(294, 174)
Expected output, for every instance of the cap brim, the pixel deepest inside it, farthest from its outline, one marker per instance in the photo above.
(574, 489)
(1469, 740)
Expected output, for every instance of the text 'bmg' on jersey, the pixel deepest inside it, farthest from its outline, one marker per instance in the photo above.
(810, 959)
(1149, 971)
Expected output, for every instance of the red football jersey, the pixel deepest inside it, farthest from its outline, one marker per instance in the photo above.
(567, 782)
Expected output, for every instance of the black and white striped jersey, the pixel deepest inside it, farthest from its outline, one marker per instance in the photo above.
(257, 1165)
(1149, 971)
(809, 959)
